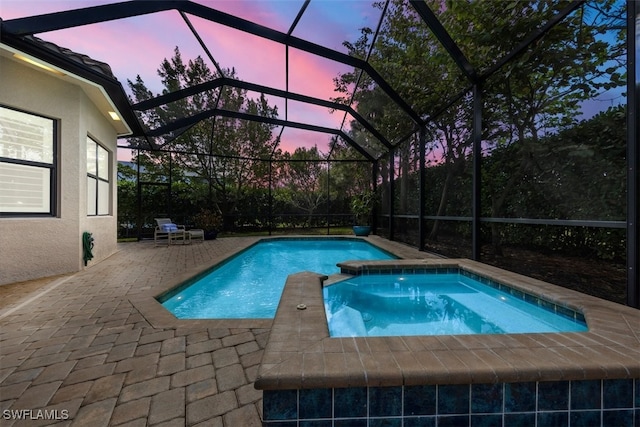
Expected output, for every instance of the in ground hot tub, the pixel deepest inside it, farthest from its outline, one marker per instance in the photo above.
(569, 378)
(439, 301)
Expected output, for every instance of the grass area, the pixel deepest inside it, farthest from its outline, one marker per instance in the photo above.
(127, 239)
(319, 231)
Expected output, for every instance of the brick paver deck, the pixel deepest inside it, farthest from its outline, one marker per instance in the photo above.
(75, 348)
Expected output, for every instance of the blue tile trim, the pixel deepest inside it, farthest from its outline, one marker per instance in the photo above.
(554, 403)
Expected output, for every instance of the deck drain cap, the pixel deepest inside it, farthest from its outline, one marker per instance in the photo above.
(301, 306)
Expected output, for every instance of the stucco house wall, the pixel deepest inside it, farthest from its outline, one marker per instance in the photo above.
(36, 247)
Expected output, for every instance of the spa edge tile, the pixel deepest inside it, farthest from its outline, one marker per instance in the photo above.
(350, 402)
(411, 368)
(454, 399)
(586, 394)
(348, 344)
(477, 368)
(472, 342)
(414, 343)
(617, 393)
(623, 417)
(289, 374)
(388, 371)
(377, 345)
(280, 405)
(315, 423)
(613, 337)
(315, 403)
(520, 420)
(585, 418)
(552, 419)
(430, 363)
(334, 370)
(487, 398)
(313, 362)
(589, 367)
(609, 364)
(450, 342)
(395, 344)
(432, 343)
(334, 345)
(354, 422)
(500, 368)
(523, 369)
(385, 401)
(553, 396)
(453, 420)
(314, 347)
(420, 400)
(356, 373)
(520, 397)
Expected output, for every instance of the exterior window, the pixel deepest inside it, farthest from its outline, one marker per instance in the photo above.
(98, 186)
(27, 163)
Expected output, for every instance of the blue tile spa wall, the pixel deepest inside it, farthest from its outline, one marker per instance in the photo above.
(586, 403)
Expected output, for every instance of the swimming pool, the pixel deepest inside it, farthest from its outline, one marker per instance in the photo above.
(434, 304)
(249, 285)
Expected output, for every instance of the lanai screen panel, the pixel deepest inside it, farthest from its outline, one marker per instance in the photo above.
(413, 61)
(554, 166)
(330, 24)
(241, 55)
(407, 191)
(449, 180)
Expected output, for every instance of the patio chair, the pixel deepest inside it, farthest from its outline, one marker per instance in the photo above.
(166, 229)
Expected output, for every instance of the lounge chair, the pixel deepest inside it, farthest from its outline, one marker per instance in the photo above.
(166, 229)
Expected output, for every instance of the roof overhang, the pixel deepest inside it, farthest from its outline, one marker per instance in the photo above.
(106, 93)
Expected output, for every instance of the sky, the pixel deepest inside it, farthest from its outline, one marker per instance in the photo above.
(137, 46)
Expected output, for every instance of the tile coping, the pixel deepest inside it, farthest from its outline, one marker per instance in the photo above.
(300, 354)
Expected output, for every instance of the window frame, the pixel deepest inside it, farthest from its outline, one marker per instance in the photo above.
(51, 167)
(98, 178)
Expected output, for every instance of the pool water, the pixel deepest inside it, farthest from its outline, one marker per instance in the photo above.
(433, 304)
(249, 285)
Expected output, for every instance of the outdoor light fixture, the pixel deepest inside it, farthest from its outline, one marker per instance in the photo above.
(114, 116)
(37, 64)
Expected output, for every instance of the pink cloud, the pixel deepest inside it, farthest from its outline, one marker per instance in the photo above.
(255, 59)
(313, 75)
(293, 138)
(277, 15)
(12, 9)
(138, 45)
(125, 45)
(313, 114)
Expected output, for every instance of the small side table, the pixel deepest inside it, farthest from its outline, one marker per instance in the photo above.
(180, 235)
(196, 234)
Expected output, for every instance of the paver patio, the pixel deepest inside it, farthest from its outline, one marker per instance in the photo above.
(77, 349)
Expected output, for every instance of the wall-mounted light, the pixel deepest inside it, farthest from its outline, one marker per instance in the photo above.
(37, 64)
(114, 116)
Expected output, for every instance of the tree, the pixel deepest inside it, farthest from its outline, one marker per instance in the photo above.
(221, 156)
(537, 93)
(303, 180)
